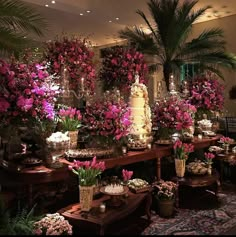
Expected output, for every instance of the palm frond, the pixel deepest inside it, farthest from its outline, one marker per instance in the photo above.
(21, 17)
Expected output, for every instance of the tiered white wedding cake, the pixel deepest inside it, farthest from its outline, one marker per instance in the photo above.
(140, 115)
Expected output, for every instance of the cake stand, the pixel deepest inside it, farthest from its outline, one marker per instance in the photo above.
(115, 198)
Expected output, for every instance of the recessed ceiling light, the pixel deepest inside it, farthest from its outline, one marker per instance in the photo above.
(110, 21)
(46, 5)
(81, 14)
(53, 2)
(117, 18)
(88, 11)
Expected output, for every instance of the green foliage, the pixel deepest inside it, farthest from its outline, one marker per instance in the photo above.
(17, 20)
(20, 224)
(168, 40)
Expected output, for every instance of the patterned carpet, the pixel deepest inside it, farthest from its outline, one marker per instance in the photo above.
(198, 222)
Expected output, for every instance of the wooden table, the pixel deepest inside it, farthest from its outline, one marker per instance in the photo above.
(157, 152)
(23, 176)
(197, 181)
(11, 176)
(111, 215)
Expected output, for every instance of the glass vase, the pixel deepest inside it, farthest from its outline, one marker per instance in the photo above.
(180, 167)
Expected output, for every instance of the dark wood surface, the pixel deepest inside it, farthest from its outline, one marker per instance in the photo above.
(15, 175)
(111, 215)
(197, 181)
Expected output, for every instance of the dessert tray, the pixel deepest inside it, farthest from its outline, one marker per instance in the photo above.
(31, 161)
(138, 185)
(88, 153)
(215, 149)
(163, 142)
(196, 168)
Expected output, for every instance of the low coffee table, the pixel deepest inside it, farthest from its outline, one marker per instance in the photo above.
(197, 181)
(130, 203)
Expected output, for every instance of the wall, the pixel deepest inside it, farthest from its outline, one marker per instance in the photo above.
(228, 26)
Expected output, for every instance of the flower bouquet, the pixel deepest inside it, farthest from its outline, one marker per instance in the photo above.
(119, 66)
(52, 224)
(206, 94)
(87, 171)
(208, 158)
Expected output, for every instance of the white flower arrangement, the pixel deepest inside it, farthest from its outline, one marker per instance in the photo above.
(52, 224)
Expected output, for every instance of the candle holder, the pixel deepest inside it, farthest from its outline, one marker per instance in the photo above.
(102, 207)
(124, 150)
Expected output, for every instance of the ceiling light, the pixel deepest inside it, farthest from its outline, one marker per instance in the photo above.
(46, 5)
(117, 18)
(53, 2)
(88, 11)
(110, 21)
(81, 14)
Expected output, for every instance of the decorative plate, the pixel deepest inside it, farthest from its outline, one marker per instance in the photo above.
(31, 161)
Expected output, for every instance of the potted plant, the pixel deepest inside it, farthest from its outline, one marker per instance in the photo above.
(164, 192)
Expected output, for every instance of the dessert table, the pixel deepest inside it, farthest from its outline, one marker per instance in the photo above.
(20, 176)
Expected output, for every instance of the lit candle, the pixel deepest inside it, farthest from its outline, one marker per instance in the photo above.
(82, 84)
(199, 136)
(149, 146)
(124, 150)
(102, 207)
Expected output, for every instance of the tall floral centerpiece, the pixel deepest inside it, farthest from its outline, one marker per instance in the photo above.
(107, 119)
(172, 114)
(181, 153)
(73, 55)
(27, 98)
(206, 93)
(70, 119)
(87, 172)
(165, 192)
(119, 66)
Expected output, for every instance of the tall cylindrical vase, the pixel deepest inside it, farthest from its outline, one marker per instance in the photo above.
(180, 167)
(73, 139)
(86, 197)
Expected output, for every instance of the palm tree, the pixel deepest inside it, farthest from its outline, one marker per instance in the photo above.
(168, 40)
(17, 21)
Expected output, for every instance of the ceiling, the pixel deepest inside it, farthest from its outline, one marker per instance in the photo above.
(107, 17)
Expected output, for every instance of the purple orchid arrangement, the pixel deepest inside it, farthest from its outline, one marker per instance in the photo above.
(75, 55)
(207, 93)
(107, 116)
(25, 94)
(119, 66)
(173, 113)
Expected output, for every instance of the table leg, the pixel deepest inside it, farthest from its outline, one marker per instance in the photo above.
(177, 195)
(101, 230)
(158, 168)
(148, 206)
(30, 194)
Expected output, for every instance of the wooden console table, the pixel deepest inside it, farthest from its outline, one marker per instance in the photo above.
(157, 152)
(23, 176)
(111, 215)
(197, 181)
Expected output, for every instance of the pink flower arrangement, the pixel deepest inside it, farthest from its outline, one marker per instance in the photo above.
(75, 55)
(70, 119)
(25, 94)
(182, 150)
(165, 190)
(107, 117)
(173, 113)
(226, 140)
(209, 156)
(207, 93)
(87, 171)
(52, 224)
(119, 66)
(127, 175)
